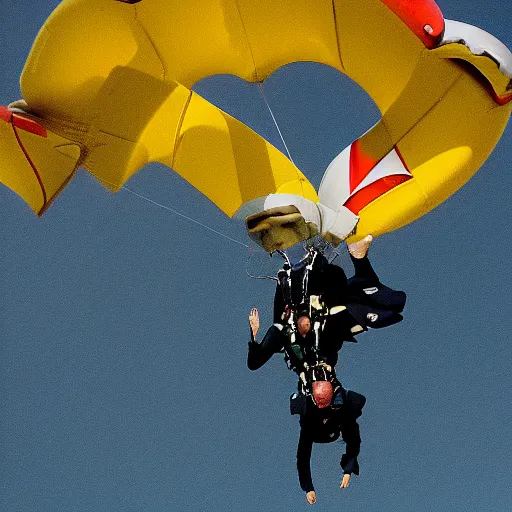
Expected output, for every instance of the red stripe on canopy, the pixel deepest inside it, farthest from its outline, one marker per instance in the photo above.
(368, 194)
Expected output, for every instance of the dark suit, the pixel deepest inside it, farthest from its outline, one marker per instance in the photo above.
(326, 426)
(368, 303)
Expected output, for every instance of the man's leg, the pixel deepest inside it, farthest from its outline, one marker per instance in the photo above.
(373, 291)
(359, 255)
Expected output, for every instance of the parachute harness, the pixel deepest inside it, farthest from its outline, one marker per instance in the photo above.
(295, 351)
(311, 305)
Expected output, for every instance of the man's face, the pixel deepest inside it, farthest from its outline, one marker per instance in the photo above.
(303, 325)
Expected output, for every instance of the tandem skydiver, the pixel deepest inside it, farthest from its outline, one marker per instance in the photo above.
(311, 338)
(346, 307)
(326, 412)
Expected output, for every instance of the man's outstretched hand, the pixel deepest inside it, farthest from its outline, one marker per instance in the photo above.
(254, 321)
(311, 497)
(345, 481)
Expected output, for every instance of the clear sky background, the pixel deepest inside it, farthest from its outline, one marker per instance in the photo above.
(123, 332)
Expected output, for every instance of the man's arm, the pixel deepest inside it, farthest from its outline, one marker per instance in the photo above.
(352, 438)
(304, 449)
(260, 353)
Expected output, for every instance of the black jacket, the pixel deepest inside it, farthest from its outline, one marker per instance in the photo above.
(326, 426)
(368, 303)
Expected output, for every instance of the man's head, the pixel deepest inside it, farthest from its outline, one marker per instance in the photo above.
(322, 390)
(303, 325)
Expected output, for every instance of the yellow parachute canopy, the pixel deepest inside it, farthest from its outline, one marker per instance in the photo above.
(107, 87)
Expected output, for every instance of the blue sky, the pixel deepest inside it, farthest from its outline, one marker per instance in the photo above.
(123, 330)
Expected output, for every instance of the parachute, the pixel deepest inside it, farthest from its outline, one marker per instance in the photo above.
(107, 87)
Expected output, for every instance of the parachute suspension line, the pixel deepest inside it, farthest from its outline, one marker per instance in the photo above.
(260, 86)
(251, 252)
(176, 213)
(185, 217)
(263, 95)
